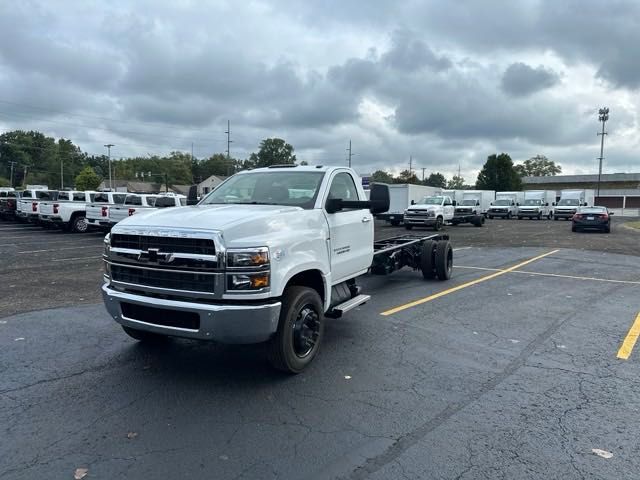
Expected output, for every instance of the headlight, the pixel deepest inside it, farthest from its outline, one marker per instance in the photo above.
(107, 244)
(247, 281)
(247, 257)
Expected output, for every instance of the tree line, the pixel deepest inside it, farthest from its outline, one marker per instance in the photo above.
(498, 173)
(30, 157)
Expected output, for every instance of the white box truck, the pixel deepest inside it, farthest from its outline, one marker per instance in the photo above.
(401, 196)
(537, 204)
(569, 202)
(476, 202)
(506, 204)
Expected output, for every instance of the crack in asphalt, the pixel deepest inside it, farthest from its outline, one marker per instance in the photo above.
(404, 443)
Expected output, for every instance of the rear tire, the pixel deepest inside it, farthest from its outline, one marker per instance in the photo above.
(300, 330)
(144, 336)
(444, 260)
(607, 229)
(555, 218)
(519, 217)
(426, 260)
(79, 224)
(478, 221)
(574, 228)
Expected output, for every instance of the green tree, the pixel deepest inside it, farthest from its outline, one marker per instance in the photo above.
(4, 182)
(499, 174)
(87, 179)
(273, 151)
(538, 166)
(406, 177)
(381, 176)
(456, 183)
(436, 180)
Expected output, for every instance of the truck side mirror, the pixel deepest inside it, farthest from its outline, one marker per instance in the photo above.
(454, 203)
(546, 204)
(413, 202)
(192, 198)
(333, 205)
(379, 199)
(491, 203)
(553, 204)
(477, 203)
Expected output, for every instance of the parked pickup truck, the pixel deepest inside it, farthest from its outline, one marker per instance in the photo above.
(133, 203)
(98, 209)
(68, 211)
(8, 203)
(431, 211)
(29, 204)
(265, 257)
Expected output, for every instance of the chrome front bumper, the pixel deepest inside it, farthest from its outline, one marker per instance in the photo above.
(429, 221)
(250, 323)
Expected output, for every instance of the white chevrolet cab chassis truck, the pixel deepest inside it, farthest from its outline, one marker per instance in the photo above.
(265, 257)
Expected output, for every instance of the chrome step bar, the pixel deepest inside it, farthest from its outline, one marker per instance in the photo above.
(350, 304)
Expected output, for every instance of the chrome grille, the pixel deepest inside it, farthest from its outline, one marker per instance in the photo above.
(201, 246)
(166, 279)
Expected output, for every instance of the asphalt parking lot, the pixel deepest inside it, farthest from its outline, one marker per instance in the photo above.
(509, 370)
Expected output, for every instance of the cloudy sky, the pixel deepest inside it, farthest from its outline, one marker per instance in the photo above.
(446, 82)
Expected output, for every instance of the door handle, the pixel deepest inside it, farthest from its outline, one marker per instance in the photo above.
(366, 219)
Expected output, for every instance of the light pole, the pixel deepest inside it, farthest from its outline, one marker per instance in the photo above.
(603, 116)
(109, 145)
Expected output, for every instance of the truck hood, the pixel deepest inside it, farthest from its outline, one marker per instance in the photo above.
(205, 217)
(424, 207)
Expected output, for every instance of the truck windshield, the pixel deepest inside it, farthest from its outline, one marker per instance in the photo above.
(503, 201)
(469, 202)
(431, 201)
(298, 189)
(532, 201)
(570, 202)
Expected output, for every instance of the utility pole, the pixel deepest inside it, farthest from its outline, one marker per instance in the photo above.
(603, 116)
(109, 145)
(410, 164)
(423, 169)
(229, 141)
(61, 174)
(166, 183)
(12, 163)
(350, 153)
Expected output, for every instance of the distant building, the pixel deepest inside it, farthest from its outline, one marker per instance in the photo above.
(617, 190)
(209, 184)
(139, 187)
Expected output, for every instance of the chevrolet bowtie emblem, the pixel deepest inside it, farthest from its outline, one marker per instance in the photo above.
(153, 255)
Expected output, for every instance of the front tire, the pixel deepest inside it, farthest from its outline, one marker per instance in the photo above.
(395, 223)
(574, 228)
(407, 226)
(509, 216)
(300, 330)
(490, 217)
(438, 225)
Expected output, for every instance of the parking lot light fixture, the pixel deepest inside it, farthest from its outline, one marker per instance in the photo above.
(603, 116)
(109, 145)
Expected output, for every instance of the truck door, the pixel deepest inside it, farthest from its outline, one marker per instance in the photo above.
(350, 232)
(448, 208)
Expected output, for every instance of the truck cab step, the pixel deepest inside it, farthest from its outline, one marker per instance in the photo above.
(339, 310)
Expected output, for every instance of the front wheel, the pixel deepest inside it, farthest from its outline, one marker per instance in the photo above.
(519, 217)
(438, 225)
(300, 330)
(509, 216)
(490, 217)
(407, 226)
(395, 223)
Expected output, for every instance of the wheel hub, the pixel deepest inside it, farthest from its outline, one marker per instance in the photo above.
(306, 329)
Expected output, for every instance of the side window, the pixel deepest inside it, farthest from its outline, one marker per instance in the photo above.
(343, 187)
(447, 201)
(119, 198)
(79, 197)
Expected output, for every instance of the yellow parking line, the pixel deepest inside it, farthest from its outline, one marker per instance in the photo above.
(556, 275)
(630, 340)
(464, 285)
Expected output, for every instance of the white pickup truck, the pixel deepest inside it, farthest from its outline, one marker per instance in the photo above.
(133, 203)
(28, 207)
(265, 257)
(98, 210)
(68, 211)
(431, 211)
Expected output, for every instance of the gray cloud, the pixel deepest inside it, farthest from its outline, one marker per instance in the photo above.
(520, 79)
(426, 79)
